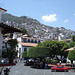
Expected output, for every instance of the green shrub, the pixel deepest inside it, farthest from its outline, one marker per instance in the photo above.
(71, 55)
(54, 61)
(24, 54)
(48, 60)
(38, 52)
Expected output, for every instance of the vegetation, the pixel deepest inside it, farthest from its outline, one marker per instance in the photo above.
(71, 55)
(22, 19)
(4, 54)
(24, 54)
(12, 43)
(24, 31)
(72, 43)
(38, 52)
(54, 61)
(56, 47)
(48, 60)
(73, 38)
(11, 51)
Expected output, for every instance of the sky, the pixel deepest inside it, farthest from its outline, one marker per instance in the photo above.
(55, 13)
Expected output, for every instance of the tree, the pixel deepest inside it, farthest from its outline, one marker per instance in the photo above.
(72, 43)
(53, 45)
(11, 51)
(63, 46)
(73, 38)
(4, 54)
(38, 52)
(24, 54)
(56, 47)
(24, 31)
(71, 55)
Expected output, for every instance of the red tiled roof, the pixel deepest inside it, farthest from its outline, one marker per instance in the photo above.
(31, 38)
(70, 49)
(28, 44)
(67, 40)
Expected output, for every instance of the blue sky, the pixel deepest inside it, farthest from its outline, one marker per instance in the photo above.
(55, 13)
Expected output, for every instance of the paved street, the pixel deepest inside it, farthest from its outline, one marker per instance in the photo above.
(20, 69)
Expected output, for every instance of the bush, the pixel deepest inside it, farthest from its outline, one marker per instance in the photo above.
(71, 55)
(54, 61)
(24, 54)
(38, 52)
(48, 60)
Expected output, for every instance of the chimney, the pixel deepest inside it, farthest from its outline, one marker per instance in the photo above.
(1, 12)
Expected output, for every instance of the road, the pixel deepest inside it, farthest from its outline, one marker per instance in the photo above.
(20, 69)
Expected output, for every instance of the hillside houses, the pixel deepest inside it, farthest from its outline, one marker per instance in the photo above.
(34, 27)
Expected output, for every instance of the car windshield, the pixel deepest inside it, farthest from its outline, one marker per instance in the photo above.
(60, 67)
(57, 67)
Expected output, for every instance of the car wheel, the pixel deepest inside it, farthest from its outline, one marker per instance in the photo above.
(55, 70)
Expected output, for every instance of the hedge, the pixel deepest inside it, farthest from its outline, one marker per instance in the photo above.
(38, 52)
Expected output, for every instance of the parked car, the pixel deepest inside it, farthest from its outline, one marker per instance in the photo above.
(59, 68)
(29, 62)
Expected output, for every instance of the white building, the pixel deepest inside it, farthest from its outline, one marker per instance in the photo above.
(24, 43)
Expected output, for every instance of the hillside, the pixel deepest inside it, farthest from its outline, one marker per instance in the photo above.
(34, 27)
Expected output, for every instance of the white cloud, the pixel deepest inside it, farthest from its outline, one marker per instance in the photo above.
(74, 14)
(49, 18)
(66, 20)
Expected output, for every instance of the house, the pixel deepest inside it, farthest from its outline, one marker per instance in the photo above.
(25, 42)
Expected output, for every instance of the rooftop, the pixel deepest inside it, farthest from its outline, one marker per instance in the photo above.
(28, 44)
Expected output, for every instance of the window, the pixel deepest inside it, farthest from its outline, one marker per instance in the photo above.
(28, 40)
(32, 40)
(39, 41)
(25, 49)
(35, 41)
(25, 40)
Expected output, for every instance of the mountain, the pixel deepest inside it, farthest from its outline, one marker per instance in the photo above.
(35, 28)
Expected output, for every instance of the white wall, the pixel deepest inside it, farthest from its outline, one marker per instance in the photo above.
(19, 39)
(14, 36)
(1, 40)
